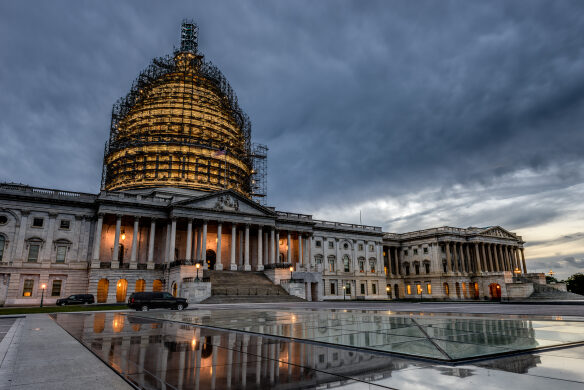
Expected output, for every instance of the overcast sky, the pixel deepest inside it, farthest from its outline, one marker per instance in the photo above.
(418, 114)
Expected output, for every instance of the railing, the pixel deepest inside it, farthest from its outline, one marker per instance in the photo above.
(291, 281)
(196, 280)
(285, 214)
(343, 225)
(43, 191)
(247, 291)
(176, 263)
(277, 266)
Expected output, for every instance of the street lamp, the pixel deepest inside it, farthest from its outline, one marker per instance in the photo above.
(43, 286)
(344, 290)
(197, 266)
(517, 271)
(291, 270)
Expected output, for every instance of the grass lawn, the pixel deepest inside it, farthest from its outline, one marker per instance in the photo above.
(56, 309)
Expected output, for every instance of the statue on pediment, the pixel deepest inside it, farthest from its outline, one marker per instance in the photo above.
(227, 202)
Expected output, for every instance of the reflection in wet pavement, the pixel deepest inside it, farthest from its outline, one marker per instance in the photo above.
(160, 354)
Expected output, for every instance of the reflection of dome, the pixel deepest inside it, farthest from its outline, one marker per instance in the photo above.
(179, 126)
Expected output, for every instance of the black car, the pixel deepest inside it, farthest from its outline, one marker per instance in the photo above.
(151, 300)
(77, 299)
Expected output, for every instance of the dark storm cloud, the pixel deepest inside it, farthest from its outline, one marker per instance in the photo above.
(356, 100)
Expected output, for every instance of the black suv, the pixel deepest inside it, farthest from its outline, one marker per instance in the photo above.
(77, 299)
(151, 300)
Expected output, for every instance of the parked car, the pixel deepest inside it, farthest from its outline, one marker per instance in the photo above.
(151, 300)
(77, 299)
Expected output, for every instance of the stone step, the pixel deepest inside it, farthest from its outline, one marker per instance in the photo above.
(251, 299)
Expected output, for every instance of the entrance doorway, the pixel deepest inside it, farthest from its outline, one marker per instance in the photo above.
(396, 291)
(211, 258)
(495, 291)
(121, 289)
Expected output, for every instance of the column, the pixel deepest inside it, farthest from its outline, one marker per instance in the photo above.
(204, 245)
(272, 246)
(308, 251)
(218, 264)
(513, 259)
(260, 264)
(45, 253)
(96, 238)
(490, 254)
(483, 257)
(232, 265)
(240, 250)
(189, 251)
(167, 242)
(497, 251)
(300, 250)
(398, 261)
(277, 242)
(115, 263)
(172, 240)
(289, 251)
(266, 247)
(246, 265)
(523, 261)
(150, 264)
(448, 260)
(478, 257)
(133, 262)
(198, 256)
(468, 265)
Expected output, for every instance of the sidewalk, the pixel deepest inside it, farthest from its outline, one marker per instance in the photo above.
(36, 352)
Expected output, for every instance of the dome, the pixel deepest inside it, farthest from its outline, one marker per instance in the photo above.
(179, 126)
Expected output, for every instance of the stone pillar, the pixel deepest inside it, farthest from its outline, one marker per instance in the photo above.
(133, 262)
(260, 264)
(289, 250)
(308, 251)
(45, 253)
(277, 242)
(246, 265)
(172, 240)
(204, 245)
(484, 264)
(468, 262)
(188, 251)
(218, 263)
(198, 256)
(523, 261)
(448, 260)
(300, 251)
(150, 264)
(232, 265)
(266, 248)
(497, 251)
(490, 255)
(96, 238)
(272, 246)
(115, 263)
(478, 257)
(398, 261)
(167, 243)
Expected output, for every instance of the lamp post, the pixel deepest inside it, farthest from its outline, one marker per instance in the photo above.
(344, 290)
(387, 291)
(516, 271)
(197, 266)
(291, 270)
(43, 286)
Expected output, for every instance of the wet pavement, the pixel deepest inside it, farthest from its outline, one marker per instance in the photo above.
(227, 349)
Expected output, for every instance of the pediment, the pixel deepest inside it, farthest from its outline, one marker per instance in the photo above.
(499, 232)
(225, 201)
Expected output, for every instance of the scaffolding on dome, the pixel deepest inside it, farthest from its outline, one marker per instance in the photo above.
(181, 125)
(259, 173)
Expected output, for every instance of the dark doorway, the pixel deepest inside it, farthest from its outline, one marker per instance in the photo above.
(211, 258)
(396, 291)
(495, 290)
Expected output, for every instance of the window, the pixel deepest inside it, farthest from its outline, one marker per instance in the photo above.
(27, 288)
(3, 219)
(374, 289)
(444, 266)
(56, 289)
(331, 244)
(419, 288)
(361, 265)
(318, 243)
(332, 265)
(360, 247)
(362, 288)
(33, 253)
(61, 252)
(405, 252)
(65, 224)
(318, 259)
(371, 247)
(372, 265)
(333, 289)
(407, 269)
(409, 289)
(348, 288)
(2, 244)
(346, 245)
(443, 249)
(446, 289)
(37, 222)
(346, 263)
(428, 288)
(427, 267)
(417, 268)
(415, 251)
(425, 251)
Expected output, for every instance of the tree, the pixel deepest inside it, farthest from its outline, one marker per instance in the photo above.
(575, 283)
(550, 279)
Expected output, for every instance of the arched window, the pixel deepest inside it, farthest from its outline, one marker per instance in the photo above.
(372, 262)
(2, 244)
(427, 267)
(98, 322)
(157, 285)
(140, 285)
(361, 265)
(346, 263)
(102, 290)
(121, 290)
(318, 259)
(446, 289)
(457, 285)
(417, 267)
(331, 261)
(174, 289)
(407, 269)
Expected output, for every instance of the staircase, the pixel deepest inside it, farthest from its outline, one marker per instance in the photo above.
(546, 293)
(245, 286)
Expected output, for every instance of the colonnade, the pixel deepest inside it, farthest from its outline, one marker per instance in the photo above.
(267, 240)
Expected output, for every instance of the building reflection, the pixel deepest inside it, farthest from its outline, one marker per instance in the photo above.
(157, 354)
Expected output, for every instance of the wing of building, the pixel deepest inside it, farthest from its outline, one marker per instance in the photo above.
(183, 187)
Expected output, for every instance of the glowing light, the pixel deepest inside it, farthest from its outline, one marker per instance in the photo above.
(43, 286)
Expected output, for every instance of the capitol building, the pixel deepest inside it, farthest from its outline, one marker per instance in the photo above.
(183, 209)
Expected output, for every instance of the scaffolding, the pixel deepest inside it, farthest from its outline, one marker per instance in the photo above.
(259, 173)
(181, 125)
